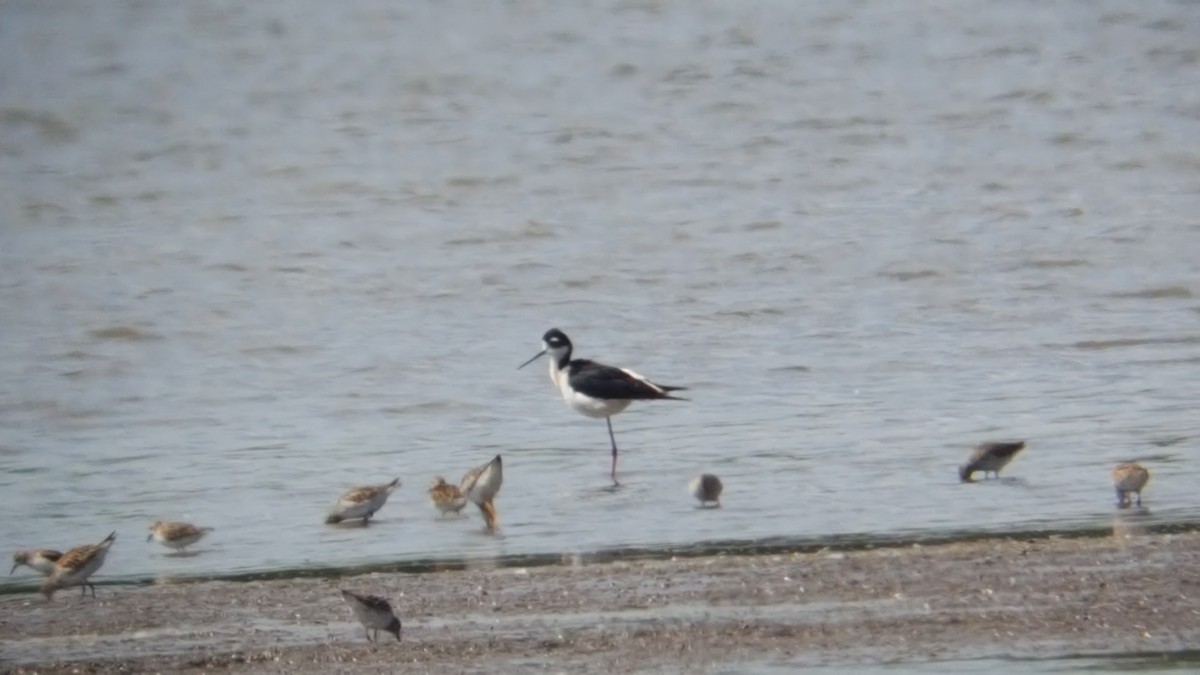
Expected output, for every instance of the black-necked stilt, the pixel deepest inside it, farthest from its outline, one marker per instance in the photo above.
(594, 389)
(989, 457)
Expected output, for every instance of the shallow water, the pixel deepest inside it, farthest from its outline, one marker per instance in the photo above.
(252, 257)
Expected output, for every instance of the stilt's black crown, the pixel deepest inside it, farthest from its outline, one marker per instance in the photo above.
(555, 338)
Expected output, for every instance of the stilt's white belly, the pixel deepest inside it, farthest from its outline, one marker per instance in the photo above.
(593, 407)
(586, 405)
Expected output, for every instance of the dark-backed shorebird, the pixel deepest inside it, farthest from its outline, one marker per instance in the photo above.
(989, 457)
(594, 389)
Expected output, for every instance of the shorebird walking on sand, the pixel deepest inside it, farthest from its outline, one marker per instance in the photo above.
(176, 535)
(480, 485)
(361, 502)
(446, 497)
(75, 566)
(1129, 478)
(707, 488)
(41, 560)
(374, 613)
(594, 389)
(989, 457)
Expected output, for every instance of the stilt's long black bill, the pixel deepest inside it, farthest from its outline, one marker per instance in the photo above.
(535, 358)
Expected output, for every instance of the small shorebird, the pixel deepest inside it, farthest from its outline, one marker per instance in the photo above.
(446, 497)
(480, 485)
(75, 566)
(1129, 477)
(176, 535)
(374, 613)
(361, 502)
(594, 389)
(707, 488)
(39, 559)
(989, 457)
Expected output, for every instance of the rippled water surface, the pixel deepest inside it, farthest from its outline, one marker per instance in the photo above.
(252, 254)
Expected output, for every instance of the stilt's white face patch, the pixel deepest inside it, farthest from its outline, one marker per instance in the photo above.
(555, 352)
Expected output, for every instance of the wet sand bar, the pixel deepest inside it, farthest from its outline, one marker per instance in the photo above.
(1025, 598)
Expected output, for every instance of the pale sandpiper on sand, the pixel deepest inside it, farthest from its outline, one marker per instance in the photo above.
(594, 389)
(1129, 478)
(176, 535)
(706, 488)
(41, 560)
(361, 502)
(480, 485)
(374, 613)
(76, 566)
(989, 457)
(446, 497)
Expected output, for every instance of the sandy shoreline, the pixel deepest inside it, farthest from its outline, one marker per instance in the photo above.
(1020, 598)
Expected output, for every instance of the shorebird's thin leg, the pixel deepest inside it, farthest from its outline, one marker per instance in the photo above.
(1139, 502)
(83, 590)
(612, 438)
(368, 632)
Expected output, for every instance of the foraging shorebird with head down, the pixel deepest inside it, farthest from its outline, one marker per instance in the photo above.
(374, 613)
(40, 560)
(76, 566)
(989, 457)
(176, 535)
(594, 389)
(361, 502)
(480, 485)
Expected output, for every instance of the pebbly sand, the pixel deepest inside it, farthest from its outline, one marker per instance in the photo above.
(1026, 598)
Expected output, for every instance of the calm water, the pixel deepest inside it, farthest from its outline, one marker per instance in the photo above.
(251, 256)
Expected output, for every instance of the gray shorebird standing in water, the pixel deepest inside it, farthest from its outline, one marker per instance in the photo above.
(76, 566)
(176, 535)
(706, 488)
(361, 502)
(1129, 478)
(480, 485)
(374, 613)
(989, 457)
(594, 389)
(40, 560)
